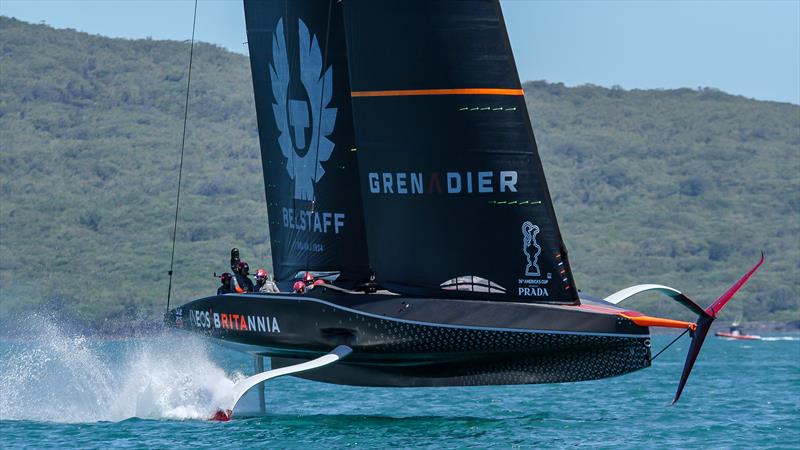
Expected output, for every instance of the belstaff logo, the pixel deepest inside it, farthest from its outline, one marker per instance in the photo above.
(531, 249)
(302, 116)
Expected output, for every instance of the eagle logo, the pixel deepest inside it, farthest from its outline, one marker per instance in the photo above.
(304, 123)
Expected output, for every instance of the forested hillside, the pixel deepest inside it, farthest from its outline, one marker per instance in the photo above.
(678, 187)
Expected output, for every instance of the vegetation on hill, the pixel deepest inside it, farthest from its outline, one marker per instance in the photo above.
(678, 187)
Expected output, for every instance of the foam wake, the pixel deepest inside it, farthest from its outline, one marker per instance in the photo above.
(57, 376)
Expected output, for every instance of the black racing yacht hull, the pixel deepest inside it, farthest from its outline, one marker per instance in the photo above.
(416, 342)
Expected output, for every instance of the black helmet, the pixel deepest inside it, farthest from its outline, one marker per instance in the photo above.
(234, 258)
(243, 269)
(225, 278)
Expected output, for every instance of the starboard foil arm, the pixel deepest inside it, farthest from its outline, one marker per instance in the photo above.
(699, 329)
(240, 388)
(650, 321)
(674, 294)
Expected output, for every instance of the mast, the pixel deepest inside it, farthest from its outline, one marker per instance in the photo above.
(455, 197)
(302, 94)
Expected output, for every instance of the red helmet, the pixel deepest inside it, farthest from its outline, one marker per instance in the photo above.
(261, 274)
(225, 278)
(243, 268)
(318, 282)
(308, 278)
(299, 287)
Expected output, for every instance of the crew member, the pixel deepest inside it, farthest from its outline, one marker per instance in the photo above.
(225, 280)
(234, 259)
(307, 283)
(310, 282)
(263, 283)
(241, 279)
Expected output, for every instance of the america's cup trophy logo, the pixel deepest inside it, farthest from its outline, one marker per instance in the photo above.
(531, 249)
(302, 115)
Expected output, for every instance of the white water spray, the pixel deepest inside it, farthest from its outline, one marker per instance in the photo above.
(60, 377)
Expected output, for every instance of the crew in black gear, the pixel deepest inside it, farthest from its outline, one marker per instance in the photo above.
(242, 279)
(225, 280)
(235, 260)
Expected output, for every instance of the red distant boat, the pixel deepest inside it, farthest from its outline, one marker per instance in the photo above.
(736, 333)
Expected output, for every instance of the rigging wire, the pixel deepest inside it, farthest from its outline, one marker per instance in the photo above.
(180, 165)
(294, 68)
(670, 344)
(321, 97)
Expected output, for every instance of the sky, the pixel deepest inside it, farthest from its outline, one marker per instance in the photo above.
(749, 48)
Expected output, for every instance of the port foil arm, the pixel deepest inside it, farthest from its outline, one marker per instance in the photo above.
(240, 388)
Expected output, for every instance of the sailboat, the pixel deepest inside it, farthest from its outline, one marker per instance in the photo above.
(399, 161)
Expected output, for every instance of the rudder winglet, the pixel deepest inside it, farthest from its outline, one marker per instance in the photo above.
(704, 325)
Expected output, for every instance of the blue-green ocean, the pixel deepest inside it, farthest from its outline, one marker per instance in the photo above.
(63, 390)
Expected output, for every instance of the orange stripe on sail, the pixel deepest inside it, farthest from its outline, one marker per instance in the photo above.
(411, 92)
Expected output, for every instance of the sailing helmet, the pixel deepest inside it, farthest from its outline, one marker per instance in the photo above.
(243, 268)
(225, 278)
(261, 274)
(308, 278)
(318, 282)
(299, 287)
(234, 258)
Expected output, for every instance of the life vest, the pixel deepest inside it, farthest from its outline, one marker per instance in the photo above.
(236, 288)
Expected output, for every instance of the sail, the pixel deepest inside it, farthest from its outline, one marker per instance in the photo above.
(303, 106)
(454, 194)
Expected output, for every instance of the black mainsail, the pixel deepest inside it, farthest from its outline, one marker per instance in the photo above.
(454, 193)
(302, 95)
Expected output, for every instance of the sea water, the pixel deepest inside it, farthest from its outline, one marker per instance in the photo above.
(62, 390)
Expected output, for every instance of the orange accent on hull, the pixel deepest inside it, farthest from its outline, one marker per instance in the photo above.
(411, 92)
(650, 321)
(599, 309)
